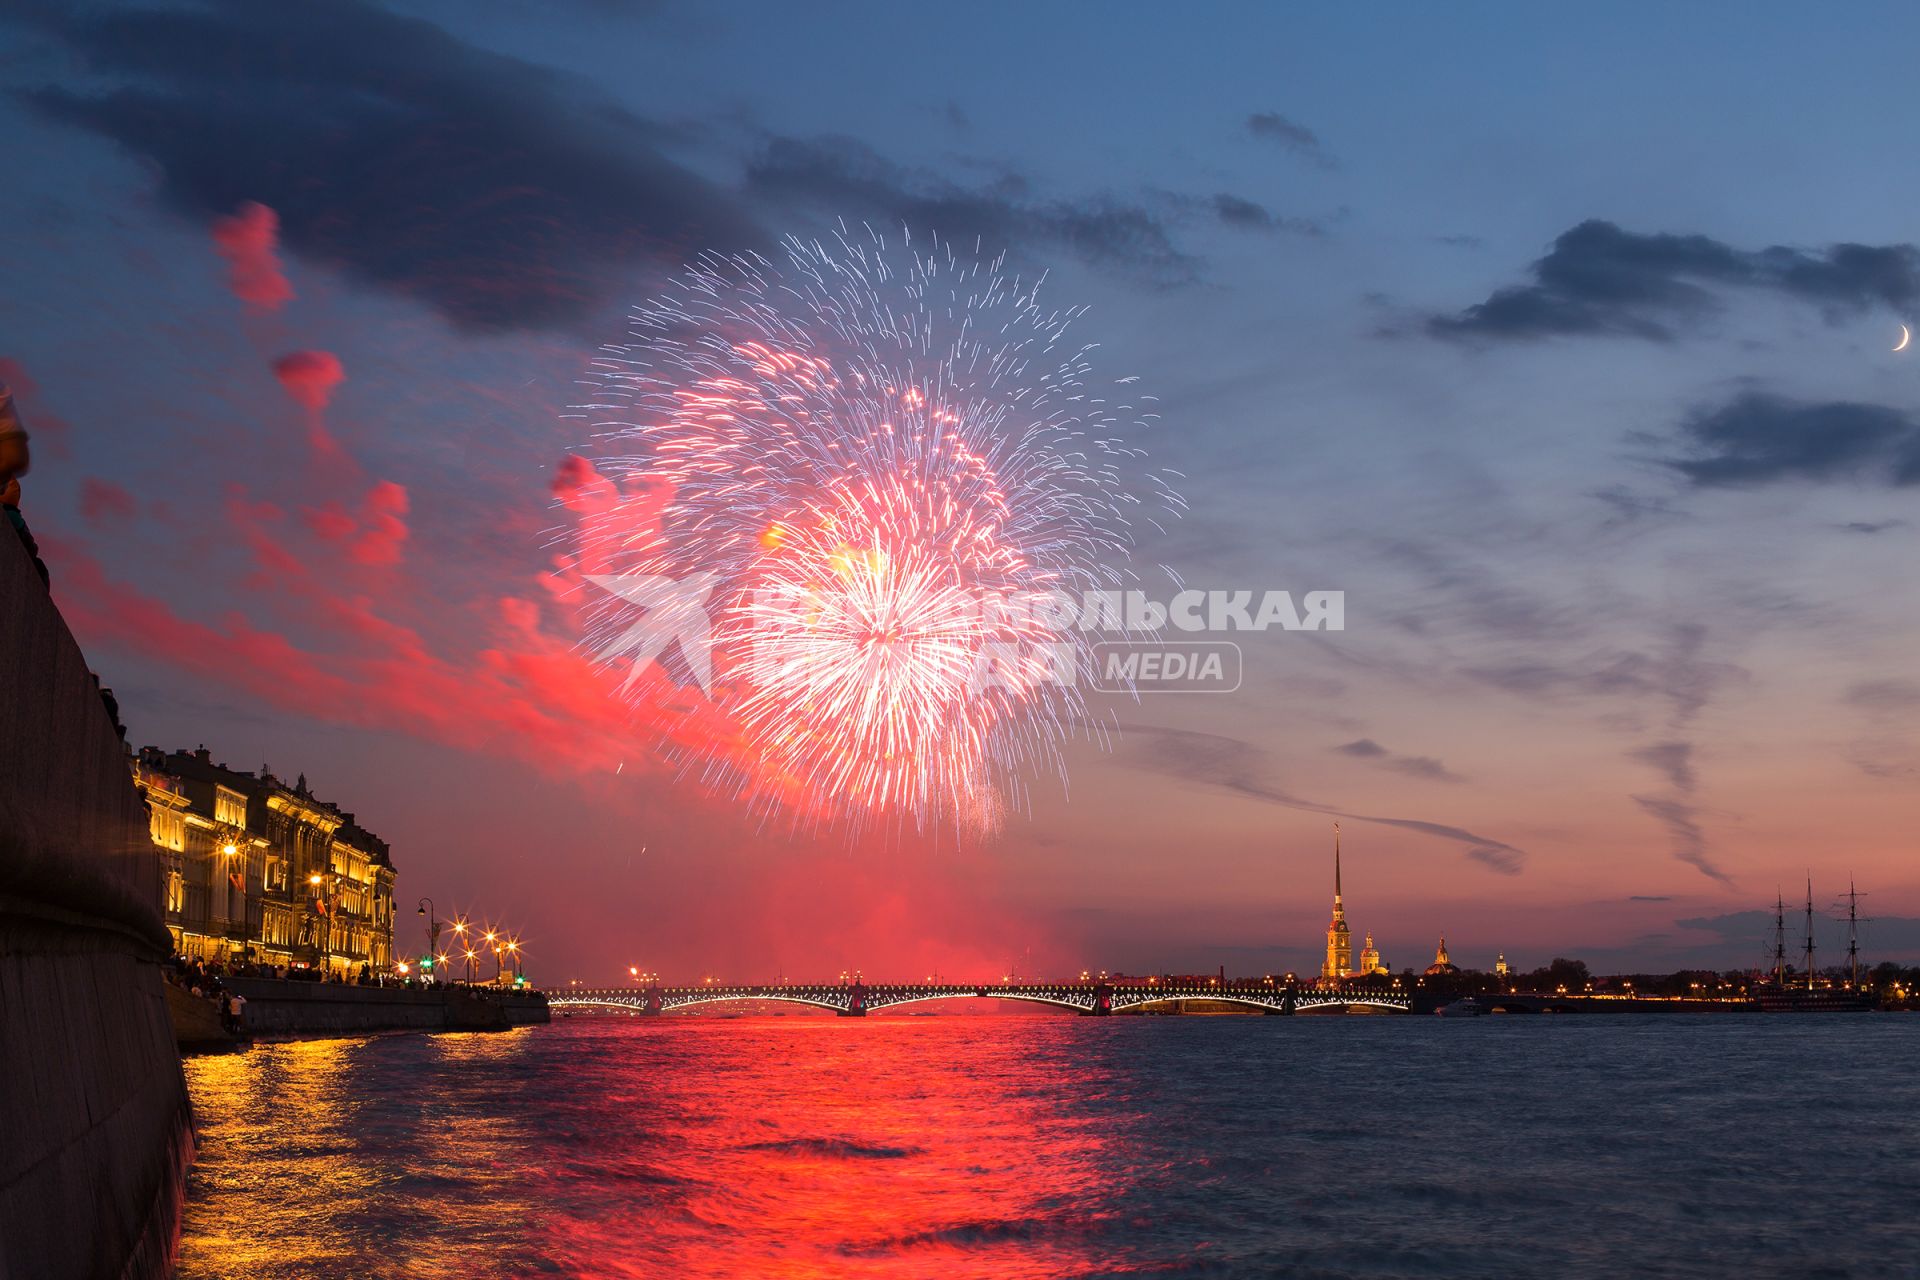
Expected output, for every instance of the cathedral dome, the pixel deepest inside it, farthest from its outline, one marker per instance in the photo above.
(1440, 963)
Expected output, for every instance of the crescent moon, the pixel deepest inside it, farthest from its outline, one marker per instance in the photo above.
(1906, 336)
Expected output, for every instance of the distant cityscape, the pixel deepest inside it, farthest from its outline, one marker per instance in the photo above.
(261, 871)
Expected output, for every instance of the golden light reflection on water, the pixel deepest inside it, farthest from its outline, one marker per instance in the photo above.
(793, 1147)
(338, 1157)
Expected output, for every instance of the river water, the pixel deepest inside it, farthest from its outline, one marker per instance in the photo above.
(955, 1146)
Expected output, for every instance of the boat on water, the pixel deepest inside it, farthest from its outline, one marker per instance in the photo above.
(1818, 1000)
(1467, 1008)
(1782, 996)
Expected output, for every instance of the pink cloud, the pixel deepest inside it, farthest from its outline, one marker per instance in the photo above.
(103, 502)
(545, 705)
(376, 535)
(248, 239)
(384, 526)
(310, 377)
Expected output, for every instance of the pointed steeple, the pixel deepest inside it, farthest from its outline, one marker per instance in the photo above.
(1336, 866)
(1339, 961)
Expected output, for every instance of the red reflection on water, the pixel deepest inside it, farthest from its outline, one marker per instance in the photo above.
(685, 1147)
(809, 1147)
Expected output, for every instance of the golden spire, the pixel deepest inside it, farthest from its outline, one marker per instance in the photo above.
(1336, 866)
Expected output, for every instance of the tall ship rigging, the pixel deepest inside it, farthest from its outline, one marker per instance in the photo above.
(1808, 992)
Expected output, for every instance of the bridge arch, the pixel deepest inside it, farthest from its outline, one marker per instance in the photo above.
(1029, 997)
(1269, 1004)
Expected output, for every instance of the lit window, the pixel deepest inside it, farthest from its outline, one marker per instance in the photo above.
(229, 807)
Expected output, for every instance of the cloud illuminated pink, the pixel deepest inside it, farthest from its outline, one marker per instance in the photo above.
(249, 240)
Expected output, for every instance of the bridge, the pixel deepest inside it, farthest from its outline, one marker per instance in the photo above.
(857, 999)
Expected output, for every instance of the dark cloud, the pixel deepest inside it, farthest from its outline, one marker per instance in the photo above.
(844, 177)
(1871, 526)
(1673, 759)
(1271, 126)
(1413, 766)
(1679, 674)
(1688, 840)
(1757, 439)
(1244, 214)
(1599, 279)
(504, 194)
(1238, 766)
(1649, 897)
(1606, 675)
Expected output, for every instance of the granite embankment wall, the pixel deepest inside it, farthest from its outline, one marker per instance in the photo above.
(277, 1007)
(95, 1131)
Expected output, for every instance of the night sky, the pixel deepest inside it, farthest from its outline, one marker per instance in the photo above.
(1561, 341)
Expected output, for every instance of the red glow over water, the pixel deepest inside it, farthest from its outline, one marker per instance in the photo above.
(800, 1146)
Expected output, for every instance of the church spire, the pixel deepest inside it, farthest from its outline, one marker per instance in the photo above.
(1336, 866)
(1339, 961)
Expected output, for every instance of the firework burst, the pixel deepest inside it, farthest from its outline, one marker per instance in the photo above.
(879, 460)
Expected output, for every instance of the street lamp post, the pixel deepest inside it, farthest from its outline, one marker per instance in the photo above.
(433, 930)
(327, 904)
(230, 849)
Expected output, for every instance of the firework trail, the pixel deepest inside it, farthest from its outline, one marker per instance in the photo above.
(872, 462)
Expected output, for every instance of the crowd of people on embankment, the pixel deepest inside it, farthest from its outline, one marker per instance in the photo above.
(206, 979)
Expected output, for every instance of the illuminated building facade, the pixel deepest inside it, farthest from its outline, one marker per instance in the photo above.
(1440, 963)
(260, 870)
(1339, 961)
(1339, 966)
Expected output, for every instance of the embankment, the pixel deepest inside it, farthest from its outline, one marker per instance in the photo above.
(95, 1131)
(323, 1008)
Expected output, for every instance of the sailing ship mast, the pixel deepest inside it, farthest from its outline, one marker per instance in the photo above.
(1809, 932)
(1779, 939)
(1853, 937)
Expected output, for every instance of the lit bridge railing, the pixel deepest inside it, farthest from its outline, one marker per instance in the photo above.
(858, 999)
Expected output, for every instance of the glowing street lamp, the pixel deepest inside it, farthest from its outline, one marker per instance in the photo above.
(331, 903)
